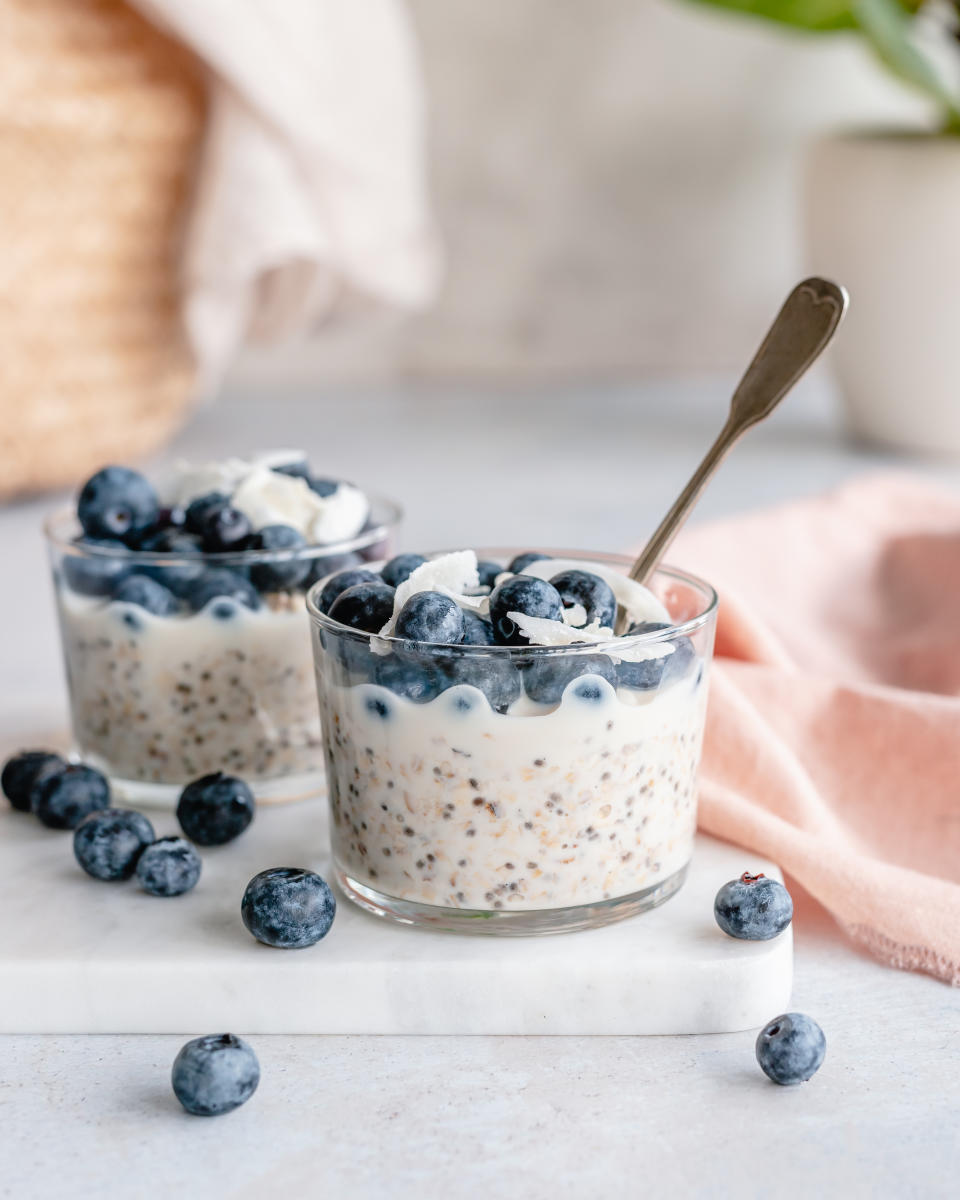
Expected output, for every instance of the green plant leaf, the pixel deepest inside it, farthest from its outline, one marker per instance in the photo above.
(822, 15)
(887, 29)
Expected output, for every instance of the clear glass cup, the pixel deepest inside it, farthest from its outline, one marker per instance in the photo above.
(156, 701)
(565, 812)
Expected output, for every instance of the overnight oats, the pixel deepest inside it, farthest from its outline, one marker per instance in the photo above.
(185, 637)
(497, 760)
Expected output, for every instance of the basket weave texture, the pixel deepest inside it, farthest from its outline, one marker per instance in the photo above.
(101, 118)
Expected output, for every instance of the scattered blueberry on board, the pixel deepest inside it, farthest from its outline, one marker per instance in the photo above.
(753, 908)
(215, 1074)
(24, 771)
(108, 843)
(215, 809)
(288, 907)
(169, 867)
(117, 503)
(791, 1048)
(63, 798)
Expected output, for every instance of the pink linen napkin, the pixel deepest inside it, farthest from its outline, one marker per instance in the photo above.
(833, 732)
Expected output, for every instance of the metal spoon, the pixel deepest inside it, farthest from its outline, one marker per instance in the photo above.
(803, 328)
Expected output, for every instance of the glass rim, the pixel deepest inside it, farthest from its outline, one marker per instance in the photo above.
(609, 646)
(386, 520)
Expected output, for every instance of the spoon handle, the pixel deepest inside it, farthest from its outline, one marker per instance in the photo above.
(801, 331)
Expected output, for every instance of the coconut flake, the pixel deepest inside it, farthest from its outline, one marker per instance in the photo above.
(639, 603)
(452, 575)
(542, 632)
(576, 615)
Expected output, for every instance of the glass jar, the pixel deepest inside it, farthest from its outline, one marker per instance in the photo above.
(464, 797)
(157, 701)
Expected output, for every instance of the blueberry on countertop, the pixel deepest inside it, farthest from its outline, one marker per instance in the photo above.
(288, 907)
(279, 576)
(169, 867)
(339, 583)
(219, 582)
(548, 675)
(365, 606)
(225, 529)
(753, 908)
(430, 617)
(62, 799)
(523, 594)
(199, 510)
(476, 630)
(108, 843)
(590, 591)
(215, 1074)
(215, 809)
(117, 503)
(24, 771)
(791, 1048)
(96, 574)
(488, 570)
(405, 676)
(401, 567)
(148, 594)
(522, 561)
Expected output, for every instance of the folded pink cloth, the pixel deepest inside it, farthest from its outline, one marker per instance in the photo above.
(833, 733)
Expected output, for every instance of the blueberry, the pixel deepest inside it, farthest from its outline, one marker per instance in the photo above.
(147, 594)
(488, 570)
(417, 681)
(651, 673)
(215, 809)
(299, 468)
(288, 907)
(198, 511)
(181, 574)
(96, 574)
(430, 617)
(221, 582)
(355, 657)
(591, 689)
(340, 582)
(589, 590)
(753, 908)
(791, 1048)
(548, 675)
(169, 867)
(108, 843)
(523, 594)
(331, 564)
(522, 561)
(24, 771)
(225, 529)
(278, 576)
(62, 799)
(476, 631)
(117, 503)
(493, 674)
(400, 568)
(323, 487)
(365, 606)
(215, 1074)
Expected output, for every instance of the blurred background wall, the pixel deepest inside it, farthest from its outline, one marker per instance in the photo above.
(616, 183)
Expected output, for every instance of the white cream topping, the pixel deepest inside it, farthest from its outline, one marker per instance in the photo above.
(268, 497)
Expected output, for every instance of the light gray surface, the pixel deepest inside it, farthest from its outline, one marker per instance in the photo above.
(514, 1117)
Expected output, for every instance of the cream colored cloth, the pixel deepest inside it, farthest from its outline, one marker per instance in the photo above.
(311, 190)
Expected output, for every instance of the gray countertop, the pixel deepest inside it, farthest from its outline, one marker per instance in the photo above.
(579, 465)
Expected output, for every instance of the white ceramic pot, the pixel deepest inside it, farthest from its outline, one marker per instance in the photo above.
(882, 219)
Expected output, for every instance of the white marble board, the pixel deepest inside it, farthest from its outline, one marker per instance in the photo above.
(78, 956)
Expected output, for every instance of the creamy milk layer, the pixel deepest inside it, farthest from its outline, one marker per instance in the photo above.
(452, 804)
(167, 699)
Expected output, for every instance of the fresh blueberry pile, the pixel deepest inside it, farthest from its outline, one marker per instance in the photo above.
(119, 511)
(364, 601)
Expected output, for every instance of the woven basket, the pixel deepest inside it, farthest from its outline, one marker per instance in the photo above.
(100, 123)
